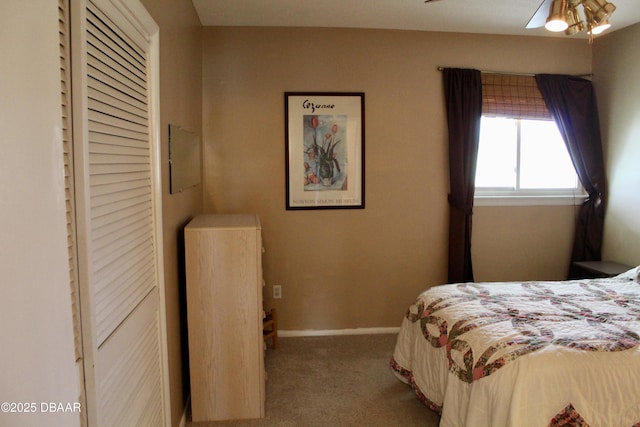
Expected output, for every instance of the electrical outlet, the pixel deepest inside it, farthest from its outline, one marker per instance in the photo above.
(277, 291)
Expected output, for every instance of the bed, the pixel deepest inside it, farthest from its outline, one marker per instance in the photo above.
(526, 353)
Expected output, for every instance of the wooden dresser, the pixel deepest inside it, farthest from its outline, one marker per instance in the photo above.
(224, 313)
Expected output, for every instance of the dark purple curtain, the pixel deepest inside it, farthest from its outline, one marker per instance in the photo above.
(463, 98)
(572, 103)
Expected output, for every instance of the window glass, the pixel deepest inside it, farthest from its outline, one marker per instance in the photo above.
(523, 157)
(497, 153)
(545, 160)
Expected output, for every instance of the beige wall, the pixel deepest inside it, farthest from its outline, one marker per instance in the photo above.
(37, 359)
(616, 70)
(522, 242)
(361, 268)
(338, 269)
(181, 105)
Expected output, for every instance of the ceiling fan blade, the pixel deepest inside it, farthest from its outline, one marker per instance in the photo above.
(540, 17)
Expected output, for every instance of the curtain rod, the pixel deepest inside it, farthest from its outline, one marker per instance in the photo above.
(440, 68)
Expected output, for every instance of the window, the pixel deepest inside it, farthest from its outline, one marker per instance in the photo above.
(522, 158)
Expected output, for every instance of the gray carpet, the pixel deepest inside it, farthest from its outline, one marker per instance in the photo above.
(336, 381)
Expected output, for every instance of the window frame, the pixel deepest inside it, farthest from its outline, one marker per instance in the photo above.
(498, 196)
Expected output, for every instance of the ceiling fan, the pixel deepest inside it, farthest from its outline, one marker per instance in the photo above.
(564, 15)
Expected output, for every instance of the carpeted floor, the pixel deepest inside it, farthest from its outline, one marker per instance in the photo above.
(336, 381)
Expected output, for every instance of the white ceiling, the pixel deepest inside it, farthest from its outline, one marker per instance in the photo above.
(468, 16)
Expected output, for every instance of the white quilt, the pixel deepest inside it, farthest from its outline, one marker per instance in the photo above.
(526, 354)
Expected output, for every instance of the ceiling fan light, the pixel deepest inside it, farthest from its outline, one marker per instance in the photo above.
(601, 10)
(595, 27)
(556, 25)
(601, 28)
(557, 20)
(574, 21)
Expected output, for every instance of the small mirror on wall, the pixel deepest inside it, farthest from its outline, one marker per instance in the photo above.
(184, 159)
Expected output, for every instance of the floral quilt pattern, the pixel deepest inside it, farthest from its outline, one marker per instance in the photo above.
(588, 316)
(568, 417)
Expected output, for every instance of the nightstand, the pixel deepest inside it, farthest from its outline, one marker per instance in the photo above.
(593, 269)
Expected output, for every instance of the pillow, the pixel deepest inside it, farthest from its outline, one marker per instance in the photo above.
(633, 274)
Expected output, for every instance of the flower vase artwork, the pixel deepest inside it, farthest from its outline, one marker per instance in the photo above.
(325, 157)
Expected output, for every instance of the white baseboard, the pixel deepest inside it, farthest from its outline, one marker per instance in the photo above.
(328, 332)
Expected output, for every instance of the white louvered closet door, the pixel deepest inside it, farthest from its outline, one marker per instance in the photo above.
(67, 149)
(118, 212)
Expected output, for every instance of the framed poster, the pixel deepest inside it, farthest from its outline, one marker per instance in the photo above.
(324, 155)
